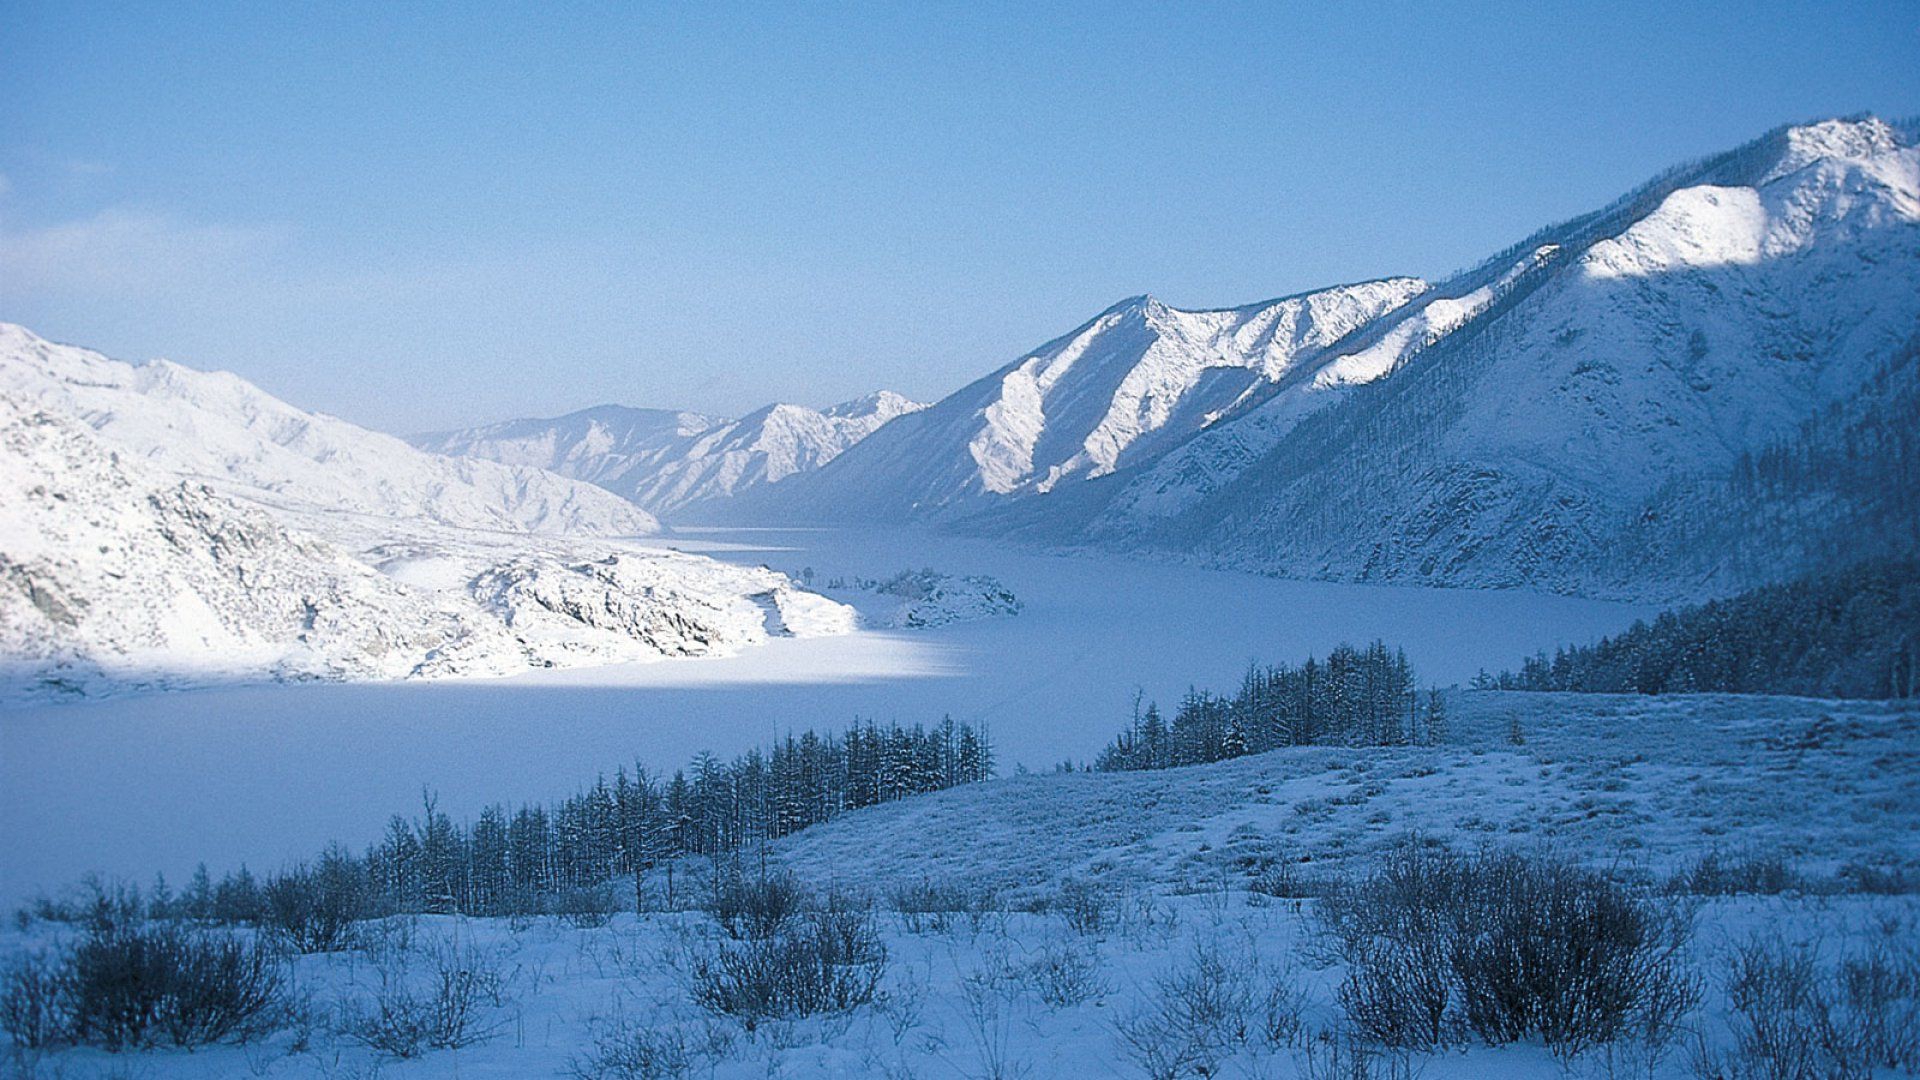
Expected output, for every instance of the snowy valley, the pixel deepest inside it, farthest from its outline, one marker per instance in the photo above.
(1204, 693)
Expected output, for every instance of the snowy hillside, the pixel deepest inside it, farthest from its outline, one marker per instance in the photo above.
(165, 527)
(1101, 924)
(221, 429)
(1135, 380)
(667, 462)
(1701, 319)
(1535, 421)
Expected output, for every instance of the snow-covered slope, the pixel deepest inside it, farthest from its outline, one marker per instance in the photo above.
(164, 527)
(1122, 388)
(219, 428)
(111, 568)
(1513, 426)
(669, 462)
(1698, 320)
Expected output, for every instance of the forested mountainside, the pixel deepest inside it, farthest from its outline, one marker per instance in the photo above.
(1850, 634)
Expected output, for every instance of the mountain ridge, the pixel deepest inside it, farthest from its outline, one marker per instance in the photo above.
(667, 467)
(1697, 317)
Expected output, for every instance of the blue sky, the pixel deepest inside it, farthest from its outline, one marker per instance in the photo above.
(419, 216)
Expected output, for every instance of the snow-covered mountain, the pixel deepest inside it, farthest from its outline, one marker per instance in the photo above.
(163, 527)
(1613, 364)
(219, 428)
(1121, 389)
(668, 462)
(1514, 425)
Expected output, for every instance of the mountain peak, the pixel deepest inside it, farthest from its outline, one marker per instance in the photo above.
(1846, 139)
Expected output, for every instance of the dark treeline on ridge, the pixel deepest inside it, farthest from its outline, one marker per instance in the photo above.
(1850, 634)
(1354, 697)
(562, 858)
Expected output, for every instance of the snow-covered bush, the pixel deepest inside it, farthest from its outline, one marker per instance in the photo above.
(449, 1008)
(36, 1004)
(314, 909)
(1065, 975)
(130, 985)
(926, 904)
(753, 906)
(1197, 1015)
(829, 959)
(1508, 945)
(1749, 873)
(623, 1048)
(1793, 1017)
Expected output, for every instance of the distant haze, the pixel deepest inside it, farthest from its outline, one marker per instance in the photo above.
(418, 225)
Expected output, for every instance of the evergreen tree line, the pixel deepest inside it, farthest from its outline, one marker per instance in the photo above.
(1354, 697)
(1842, 489)
(543, 858)
(1849, 634)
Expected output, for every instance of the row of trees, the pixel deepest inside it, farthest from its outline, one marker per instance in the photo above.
(1354, 697)
(1850, 634)
(540, 858)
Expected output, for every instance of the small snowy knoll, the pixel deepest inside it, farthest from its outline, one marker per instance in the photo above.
(1648, 780)
(922, 599)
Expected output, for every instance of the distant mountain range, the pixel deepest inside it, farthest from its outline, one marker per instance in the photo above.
(666, 461)
(1575, 413)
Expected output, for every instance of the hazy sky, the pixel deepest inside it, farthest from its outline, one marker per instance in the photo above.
(419, 216)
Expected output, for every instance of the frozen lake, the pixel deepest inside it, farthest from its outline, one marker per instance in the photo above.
(263, 774)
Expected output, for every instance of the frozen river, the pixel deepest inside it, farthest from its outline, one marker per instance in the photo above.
(263, 774)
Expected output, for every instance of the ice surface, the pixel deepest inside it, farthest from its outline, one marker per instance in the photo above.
(266, 773)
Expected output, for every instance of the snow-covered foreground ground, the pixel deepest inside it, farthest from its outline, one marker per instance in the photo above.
(261, 774)
(1639, 786)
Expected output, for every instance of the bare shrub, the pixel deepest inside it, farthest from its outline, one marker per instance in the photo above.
(1278, 1011)
(1064, 975)
(1877, 880)
(447, 1008)
(314, 910)
(988, 995)
(1196, 1016)
(828, 960)
(936, 906)
(36, 1006)
(1394, 929)
(586, 907)
(1510, 946)
(1792, 1018)
(622, 1048)
(125, 986)
(752, 906)
(1086, 906)
(1331, 1056)
(1283, 880)
(1750, 873)
(1563, 953)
